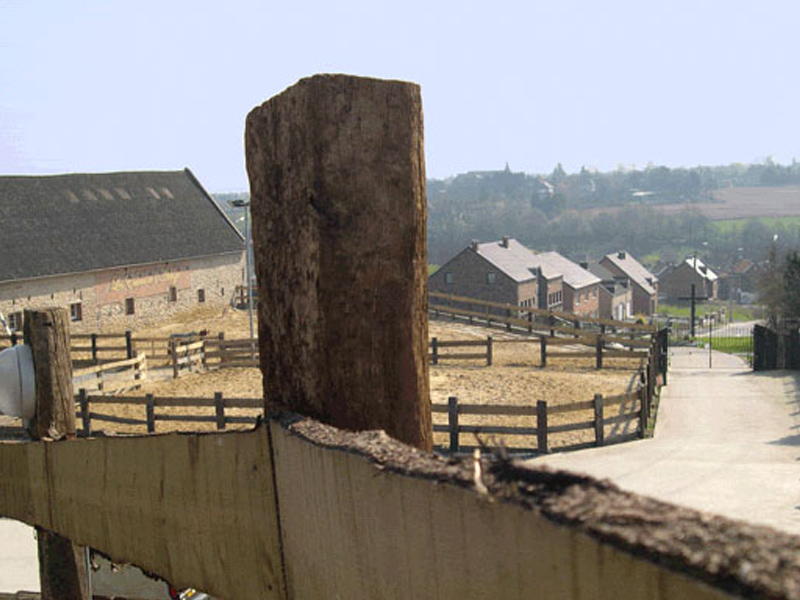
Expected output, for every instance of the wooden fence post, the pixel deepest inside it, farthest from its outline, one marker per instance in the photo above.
(508, 319)
(150, 412)
(62, 565)
(452, 422)
(489, 352)
(222, 357)
(173, 351)
(530, 322)
(541, 426)
(129, 343)
(552, 319)
(86, 417)
(435, 348)
(644, 412)
(599, 430)
(543, 350)
(219, 407)
(599, 352)
(94, 349)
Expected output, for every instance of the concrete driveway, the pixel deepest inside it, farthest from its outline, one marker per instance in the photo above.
(727, 441)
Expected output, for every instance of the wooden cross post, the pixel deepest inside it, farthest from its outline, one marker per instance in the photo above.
(62, 565)
(337, 180)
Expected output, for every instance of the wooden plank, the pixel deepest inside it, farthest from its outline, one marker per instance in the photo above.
(506, 430)
(110, 366)
(186, 418)
(558, 355)
(496, 409)
(94, 416)
(571, 427)
(439, 408)
(571, 407)
(242, 419)
(460, 343)
(624, 354)
(239, 363)
(462, 356)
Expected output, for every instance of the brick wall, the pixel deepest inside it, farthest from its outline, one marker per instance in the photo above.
(584, 301)
(679, 282)
(102, 295)
(469, 276)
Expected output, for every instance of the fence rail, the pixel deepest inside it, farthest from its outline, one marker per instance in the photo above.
(113, 377)
(150, 405)
(543, 431)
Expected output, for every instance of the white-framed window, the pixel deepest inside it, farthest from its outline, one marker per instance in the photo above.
(491, 277)
(449, 278)
(76, 311)
(15, 321)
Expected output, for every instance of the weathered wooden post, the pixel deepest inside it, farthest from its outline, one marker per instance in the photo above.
(62, 565)
(543, 351)
(452, 423)
(337, 179)
(541, 426)
(599, 431)
(489, 352)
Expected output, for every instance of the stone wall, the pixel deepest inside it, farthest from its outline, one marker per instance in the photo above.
(102, 295)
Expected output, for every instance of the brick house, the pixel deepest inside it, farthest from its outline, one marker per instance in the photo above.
(506, 271)
(117, 249)
(616, 295)
(498, 271)
(676, 282)
(644, 284)
(581, 289)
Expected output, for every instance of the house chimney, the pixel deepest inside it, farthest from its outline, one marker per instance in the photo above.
(584, 264)
(474, 245)
(704, 269)
(504, 243)
(621, 255)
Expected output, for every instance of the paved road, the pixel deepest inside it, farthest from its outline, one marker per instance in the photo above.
(727, 441)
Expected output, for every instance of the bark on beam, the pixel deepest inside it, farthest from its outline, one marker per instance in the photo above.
(337, 182)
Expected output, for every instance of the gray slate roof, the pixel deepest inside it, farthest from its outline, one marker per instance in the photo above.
(574, 275)
(633, 269)
(515, 261)
(60, 224)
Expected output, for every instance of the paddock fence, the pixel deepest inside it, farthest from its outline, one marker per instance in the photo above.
(113, 378)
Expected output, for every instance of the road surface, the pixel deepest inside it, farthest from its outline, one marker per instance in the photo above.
(727, 441)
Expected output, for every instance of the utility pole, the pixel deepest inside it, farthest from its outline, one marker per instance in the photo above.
(63, 571)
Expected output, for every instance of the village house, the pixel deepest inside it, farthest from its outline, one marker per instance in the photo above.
(508, 272)
(676, 281)
(740, 281)
(117, 249)
(644, 285)
(616, 296)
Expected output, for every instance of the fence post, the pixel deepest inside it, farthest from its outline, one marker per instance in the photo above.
(530, 322)
(599, 352)
(86, 418)
(452, 422)
(221, 347)
(552, 320)
(173, 351)
(644, 412)
(150, 410)
(489, 352)
(435, 348)
(508, 319)
(543, 350)
(541, 426)
(94, 349)
(599, 431)
(129, 343)
(219, 407)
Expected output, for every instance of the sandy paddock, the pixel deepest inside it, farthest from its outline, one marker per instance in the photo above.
(515, 378)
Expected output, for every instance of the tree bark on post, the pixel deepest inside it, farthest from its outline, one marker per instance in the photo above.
(337, 179)
(62, 564)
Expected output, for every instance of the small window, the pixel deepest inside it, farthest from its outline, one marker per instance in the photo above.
(173, 293)
(448, 278)
(201, 295)
(130, 306)
(76, 311)
(15, 321)
(490, 277)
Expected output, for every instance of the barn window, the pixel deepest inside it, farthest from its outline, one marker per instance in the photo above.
(491, 277)
(448, 278)
(173, 293)
(76, 311)
(130, 306)
(201, 295)
(15, 321)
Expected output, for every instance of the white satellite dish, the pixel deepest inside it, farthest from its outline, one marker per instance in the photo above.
(17, 382)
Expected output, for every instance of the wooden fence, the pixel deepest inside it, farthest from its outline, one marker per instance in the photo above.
(531, 320)
(543, 430)
(151, 415)
(115, 377)
(436, 355)
(232, 353)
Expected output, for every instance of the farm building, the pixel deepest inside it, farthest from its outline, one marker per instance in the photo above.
(644, 285)
(616, 296)
(676, 281)
(506, 271)
(115, 248)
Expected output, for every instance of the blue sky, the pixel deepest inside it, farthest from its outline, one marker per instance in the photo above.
(117, 85)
